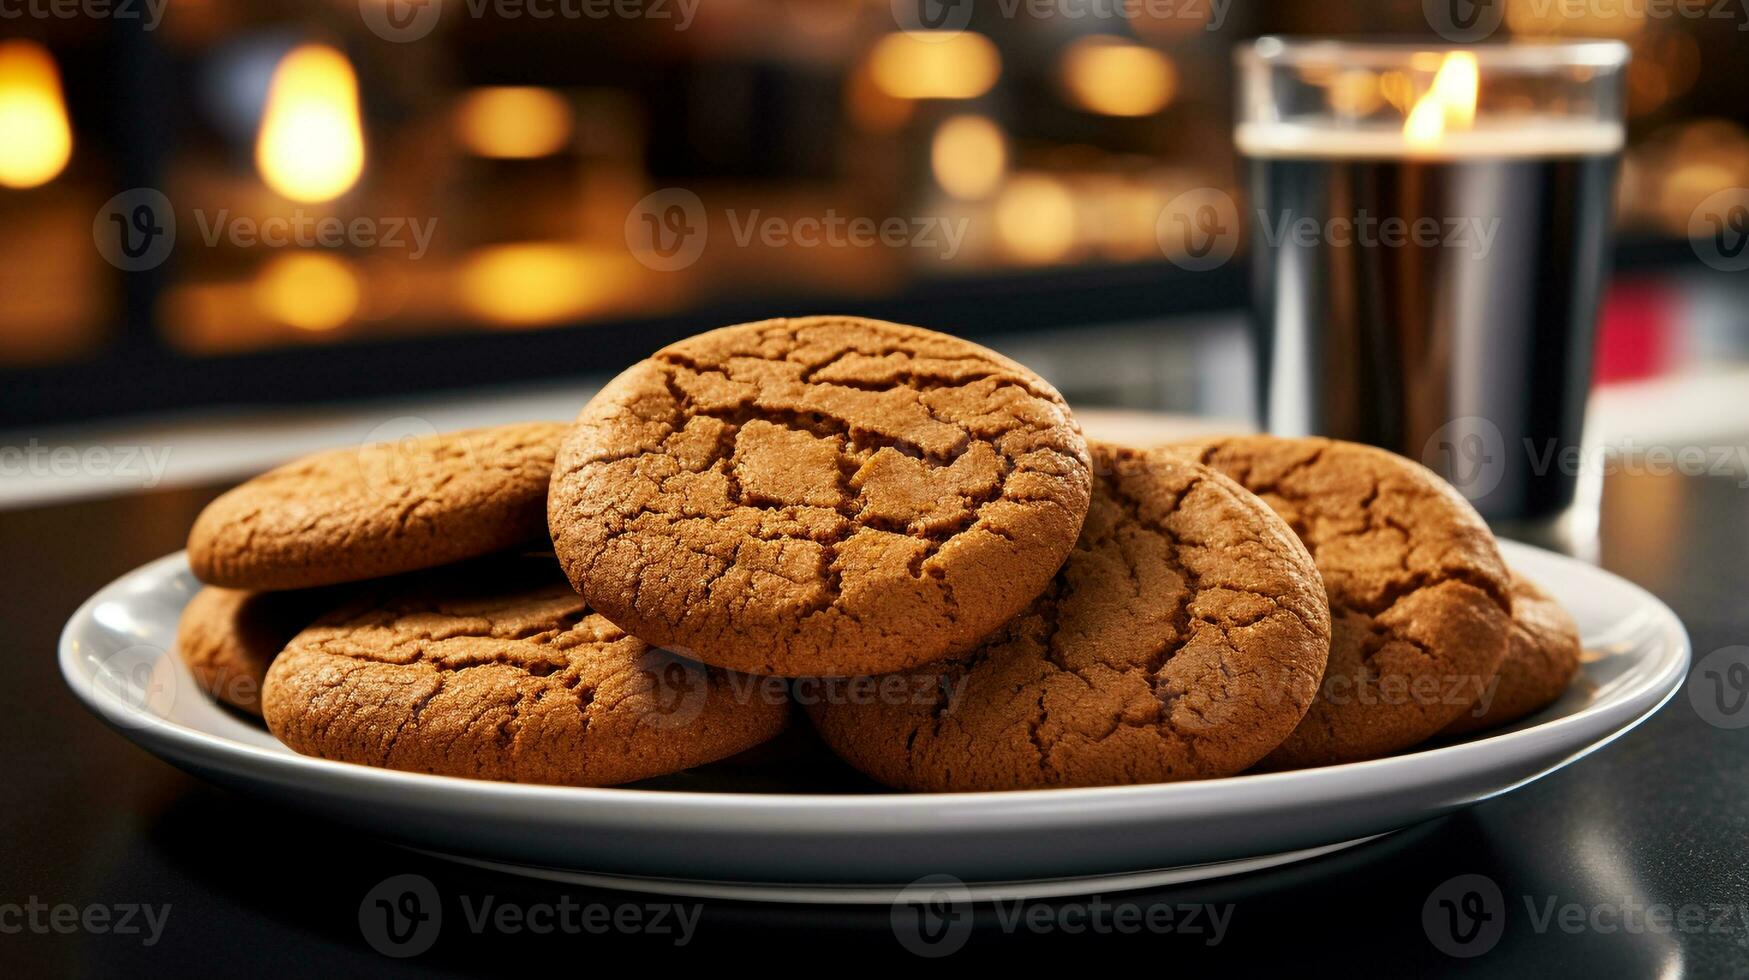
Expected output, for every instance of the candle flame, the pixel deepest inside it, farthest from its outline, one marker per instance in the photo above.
(33, 115)
(1450, 103)
(311, 144)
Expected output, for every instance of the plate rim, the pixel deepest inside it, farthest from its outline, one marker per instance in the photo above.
(823, 893)
(885, 812)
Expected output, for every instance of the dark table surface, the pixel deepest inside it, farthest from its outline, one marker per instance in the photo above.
(1659, 818)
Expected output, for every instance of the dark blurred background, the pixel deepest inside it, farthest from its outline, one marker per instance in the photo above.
(381, 196)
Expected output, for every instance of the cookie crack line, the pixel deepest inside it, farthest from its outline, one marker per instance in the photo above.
(857, 438)
(1184, 625)
(1184, 638)
(721, 461)
(825, 495)
(911, 375)
(1311, 505)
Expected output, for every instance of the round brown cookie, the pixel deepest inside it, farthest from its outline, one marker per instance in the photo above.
(827, 495)
(1541, 663)
(1183, 639)
(382, 509)
(1420, 606)
(498, 671)
(228, 637)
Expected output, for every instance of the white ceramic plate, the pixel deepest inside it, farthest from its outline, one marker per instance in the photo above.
(858, 847)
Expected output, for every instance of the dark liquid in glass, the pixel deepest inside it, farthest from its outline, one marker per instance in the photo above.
(1469, 349)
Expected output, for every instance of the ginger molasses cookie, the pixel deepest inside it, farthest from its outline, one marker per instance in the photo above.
(1183, 639)
(228, 637)
(1420, 605)
(384, 508)
(1539, 666)
(496, 670)
(825, 495)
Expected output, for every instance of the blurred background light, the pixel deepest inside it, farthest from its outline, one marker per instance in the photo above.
(311, 145)
(308, 290)
(959, 66)
(1356, 94)
(35, 139)
(1047, 139)
(968, 156)
(513, 122)
(1036, 218)
(533, 283)
(1114, 77)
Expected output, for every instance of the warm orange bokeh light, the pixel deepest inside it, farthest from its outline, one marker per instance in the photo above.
(311, 144)
(534, 283)
(308, 290)
(968, 156)
(513, 122)
(36, 140)
(1117, 78)
(958, 66)
(1035, 217)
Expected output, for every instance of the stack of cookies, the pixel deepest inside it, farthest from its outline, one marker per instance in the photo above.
(903, 532)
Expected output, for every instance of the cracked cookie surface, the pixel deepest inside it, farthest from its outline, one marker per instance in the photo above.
(496, 670)
(1420, 605)
(381, 509)
(228, 637)
(1540, 664)
(818, 496)
(1183, 639)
